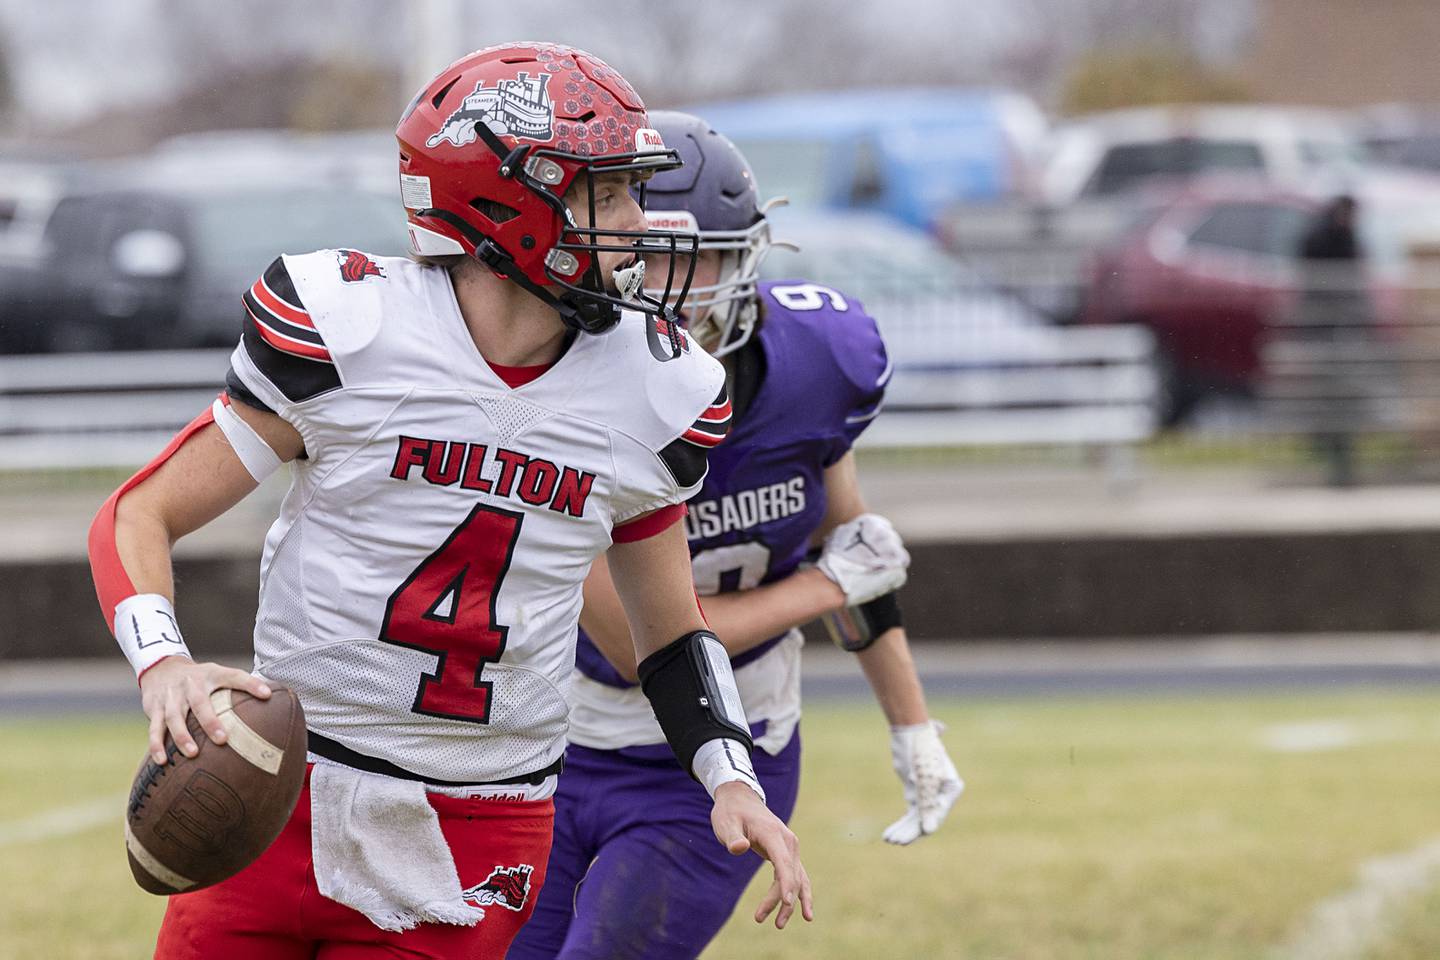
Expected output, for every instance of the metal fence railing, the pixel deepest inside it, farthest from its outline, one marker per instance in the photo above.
(101, 409)
(1341, 375)
(1062, 386)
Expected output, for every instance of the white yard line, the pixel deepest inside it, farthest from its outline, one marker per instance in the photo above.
(1342, 927)
(1312, 737)
(62, 822)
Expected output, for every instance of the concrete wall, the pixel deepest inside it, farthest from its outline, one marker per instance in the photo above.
(1178, 586)
(1097, 587)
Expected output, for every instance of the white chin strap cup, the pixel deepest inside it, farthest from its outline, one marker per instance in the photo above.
(629, 280)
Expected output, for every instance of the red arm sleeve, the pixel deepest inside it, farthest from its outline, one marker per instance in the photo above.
(112, 583)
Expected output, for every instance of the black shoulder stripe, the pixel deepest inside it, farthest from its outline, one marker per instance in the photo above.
(274, 308)
(277, 278)
(298, 378)
(238, 391)
(281, 339)
(713, 423)
(686, 461)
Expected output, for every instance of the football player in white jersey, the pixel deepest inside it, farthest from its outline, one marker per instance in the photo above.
(467, 432)
(807, 372)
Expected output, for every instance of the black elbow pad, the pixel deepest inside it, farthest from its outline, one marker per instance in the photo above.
(692, 691)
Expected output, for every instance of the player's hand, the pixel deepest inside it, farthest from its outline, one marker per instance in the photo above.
(177, 686)
(931, 784)
(742, 822)
(865, 557)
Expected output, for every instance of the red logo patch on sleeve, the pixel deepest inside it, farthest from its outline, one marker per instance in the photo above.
(355, 266)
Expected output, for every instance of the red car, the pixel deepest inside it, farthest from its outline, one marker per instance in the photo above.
(1207, 268)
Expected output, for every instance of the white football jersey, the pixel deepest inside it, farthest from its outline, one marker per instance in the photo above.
(421, 587)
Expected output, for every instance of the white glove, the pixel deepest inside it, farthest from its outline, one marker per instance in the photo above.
(931, 784)
(865, 558)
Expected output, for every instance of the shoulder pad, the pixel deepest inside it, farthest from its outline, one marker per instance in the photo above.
(345, 292)
(659, 401)
(279, 317)
(686, 456)
(835, 326)
(281, 339)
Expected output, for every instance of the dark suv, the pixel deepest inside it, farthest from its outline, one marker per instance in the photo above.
(131, 263)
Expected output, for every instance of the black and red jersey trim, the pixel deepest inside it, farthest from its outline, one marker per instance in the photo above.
(279, 318)
(282, 342)
(685, 456)
(712, 425)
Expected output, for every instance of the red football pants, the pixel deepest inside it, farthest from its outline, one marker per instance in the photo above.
(272, 909)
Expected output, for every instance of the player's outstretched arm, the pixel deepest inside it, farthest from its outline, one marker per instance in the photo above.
(685, 672)
(873, 631)
(197, 478)
(742, 620)
(927, 774)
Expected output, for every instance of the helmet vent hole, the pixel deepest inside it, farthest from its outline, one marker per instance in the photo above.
(585, 117)
(440, 94)
(517, 59)
(494, 211)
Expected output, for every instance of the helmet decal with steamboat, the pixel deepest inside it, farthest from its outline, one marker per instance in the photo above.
(519, 108)
(489, 150)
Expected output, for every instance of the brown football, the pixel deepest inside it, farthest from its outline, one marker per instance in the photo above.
(197, 820)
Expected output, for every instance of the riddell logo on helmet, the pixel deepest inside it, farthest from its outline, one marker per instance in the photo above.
(519, 108)
(680, 220)
(648, 140)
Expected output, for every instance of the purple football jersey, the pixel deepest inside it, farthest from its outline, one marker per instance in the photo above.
(820, 368)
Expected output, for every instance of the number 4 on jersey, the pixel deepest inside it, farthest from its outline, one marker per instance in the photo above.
(447, 607)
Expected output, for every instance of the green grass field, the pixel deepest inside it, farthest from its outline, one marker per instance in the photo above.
(1096, 829)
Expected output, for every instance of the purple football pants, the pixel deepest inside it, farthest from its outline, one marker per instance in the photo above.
(635, 871)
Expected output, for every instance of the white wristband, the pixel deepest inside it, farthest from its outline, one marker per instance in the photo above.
(147, 632)
(723, 760)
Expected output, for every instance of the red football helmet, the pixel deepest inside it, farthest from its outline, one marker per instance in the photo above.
(488, 150)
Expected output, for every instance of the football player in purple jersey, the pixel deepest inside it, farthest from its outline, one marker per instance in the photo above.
(630, 875)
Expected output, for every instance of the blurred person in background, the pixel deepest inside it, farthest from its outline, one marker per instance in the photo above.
(1334, 309)
(464, 443)
(1333, 234)
(629, 874)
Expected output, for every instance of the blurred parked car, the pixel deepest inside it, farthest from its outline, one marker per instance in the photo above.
(1401, 135)
(906, 153)
(1100, 165)
(29, 190)
(361, 158)
(133, 259)
(931, 307)
(1207, 267)
(1104, 154)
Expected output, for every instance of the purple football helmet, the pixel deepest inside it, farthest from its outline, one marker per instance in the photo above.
(714, 195)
